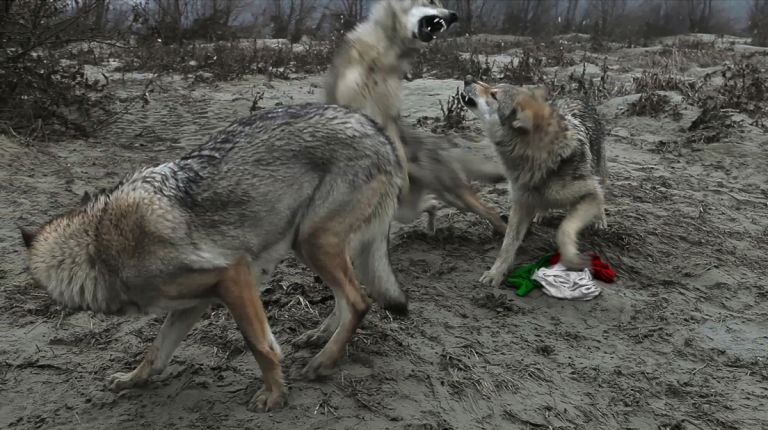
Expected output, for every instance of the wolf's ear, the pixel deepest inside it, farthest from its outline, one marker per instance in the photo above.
(28, 235)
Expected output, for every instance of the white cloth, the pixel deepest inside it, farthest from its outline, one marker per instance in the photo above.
(557, 281)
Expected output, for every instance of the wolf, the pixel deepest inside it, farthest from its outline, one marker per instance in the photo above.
(367, 74)
(210, 226)
(554, 156)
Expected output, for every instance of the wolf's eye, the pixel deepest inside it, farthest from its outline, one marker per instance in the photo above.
(493, 95)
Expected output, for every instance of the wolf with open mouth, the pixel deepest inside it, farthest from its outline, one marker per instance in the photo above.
(367, 75)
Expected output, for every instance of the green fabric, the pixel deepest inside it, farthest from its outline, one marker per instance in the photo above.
(522, 277)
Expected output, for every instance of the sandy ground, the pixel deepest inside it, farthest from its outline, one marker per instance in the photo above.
(679, 342)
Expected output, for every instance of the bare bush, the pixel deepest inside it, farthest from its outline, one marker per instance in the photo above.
(582, 86)
(650, 104)
(745, 88)
(42, 95)
(445, 60)
(661, 79)
(453, 116)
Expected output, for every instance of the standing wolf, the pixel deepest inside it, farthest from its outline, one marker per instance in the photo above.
(555, 158)
(321, 180)
(367, 75)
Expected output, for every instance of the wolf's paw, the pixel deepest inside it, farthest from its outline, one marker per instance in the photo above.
(318, 368)
(574, 261)
(396, 306)
(123, 381)
(267, 400)
(492, 278)
(312, 338)
(430, 207)
(601, 225)
(539, 217)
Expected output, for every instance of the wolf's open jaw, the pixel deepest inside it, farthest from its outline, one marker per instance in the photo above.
(430, 25)
(467, 101)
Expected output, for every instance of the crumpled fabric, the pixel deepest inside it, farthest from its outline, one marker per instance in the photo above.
(557, 281)
(599, 268)
(522, 278)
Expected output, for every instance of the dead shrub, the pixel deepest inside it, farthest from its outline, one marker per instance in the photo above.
(649, 104)
(712, 125)
(661, 79)
(745, 89)
(450, 60)
(527, 69)
(582, 86)
(454, 116)
(41, 93)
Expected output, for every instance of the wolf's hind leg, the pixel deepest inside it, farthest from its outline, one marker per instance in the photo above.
(239, 292)
(567, 234)
(176, 326)
(326, 253)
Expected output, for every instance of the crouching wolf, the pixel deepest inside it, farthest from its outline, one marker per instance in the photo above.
(367, 75)
(210, 226)
(554, 157)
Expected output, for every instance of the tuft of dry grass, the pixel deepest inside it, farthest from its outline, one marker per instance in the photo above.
(652, 104)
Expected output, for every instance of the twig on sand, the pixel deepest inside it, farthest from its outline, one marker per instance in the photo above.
(699, 368)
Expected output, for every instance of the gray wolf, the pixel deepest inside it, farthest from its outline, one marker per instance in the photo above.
(555, 159)
(367, 75)
(319, 180)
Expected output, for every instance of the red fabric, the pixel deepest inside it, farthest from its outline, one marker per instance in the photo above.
(599, 268)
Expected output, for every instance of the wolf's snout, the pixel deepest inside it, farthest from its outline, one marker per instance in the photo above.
(468, 80)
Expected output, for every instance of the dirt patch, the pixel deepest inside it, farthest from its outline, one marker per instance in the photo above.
(678, 343)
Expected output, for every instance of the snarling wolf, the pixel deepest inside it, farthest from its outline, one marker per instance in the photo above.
(555, 158)
(367, 75)
(316, 179)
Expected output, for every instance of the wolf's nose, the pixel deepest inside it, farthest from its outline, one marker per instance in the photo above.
(469, 80)
(453, 17)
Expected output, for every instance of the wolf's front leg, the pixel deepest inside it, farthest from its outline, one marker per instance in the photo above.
(520, 216)
(176, 326)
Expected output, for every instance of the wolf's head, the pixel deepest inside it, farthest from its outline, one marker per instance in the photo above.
(413, 22)
(510, 111)
(63, 258)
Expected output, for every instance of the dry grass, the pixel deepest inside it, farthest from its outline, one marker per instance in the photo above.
(230, 60)
(652, 104)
